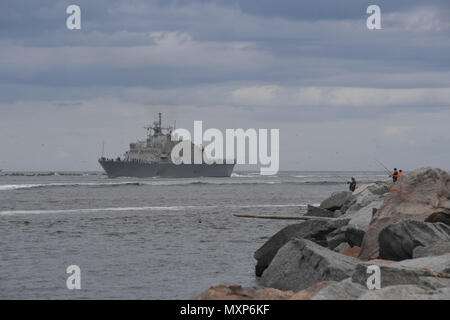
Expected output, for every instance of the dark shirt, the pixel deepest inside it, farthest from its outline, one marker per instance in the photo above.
(352, 186)
(395, 176)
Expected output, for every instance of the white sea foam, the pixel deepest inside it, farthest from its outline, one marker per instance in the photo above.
(8, 187)
(237, 175)
(151, 208)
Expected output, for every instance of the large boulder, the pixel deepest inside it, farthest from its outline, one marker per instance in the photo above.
(421, 195)
(347, 234)
(397, 241)
(336, 200)
(378, 188)
(342, 290)
(399, 292)
(354, 236)
(314, 230)
(438, 264)
(349, 290)
(440, 294)
(347, 204)
(430, 272)
(435, 249)
(365, 195)
(301, 263)
(318, 212)
(336, 238)
(361, 218)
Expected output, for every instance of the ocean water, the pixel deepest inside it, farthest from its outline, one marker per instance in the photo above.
(144, 238)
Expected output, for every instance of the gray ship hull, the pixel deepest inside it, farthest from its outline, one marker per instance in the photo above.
(116, 169)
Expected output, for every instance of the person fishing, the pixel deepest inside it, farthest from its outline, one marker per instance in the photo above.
(352, 183)
(400, 173)
(395, 175)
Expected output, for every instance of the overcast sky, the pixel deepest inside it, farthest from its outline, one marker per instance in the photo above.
(340, 94)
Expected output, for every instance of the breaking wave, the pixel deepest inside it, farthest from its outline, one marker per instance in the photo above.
(9, 187)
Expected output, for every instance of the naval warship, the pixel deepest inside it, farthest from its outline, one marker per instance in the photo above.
(152, 158)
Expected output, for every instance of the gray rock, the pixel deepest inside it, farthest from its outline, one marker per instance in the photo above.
(390, 275)
(354, 236)
(318, 212)
(343, 290)
(359, 209)
(363, 199)
(348, 203)
(336, 237)
(379, 188)
(398, 240)
(435, 282)
(427, 272)
(336, 200)
(437, 263)
(347, 234)
(436, 249)
(368, 198)
(314, 230)
(301, 263)
(407, 292)
(337, 213)
(361, 218)
(342, 247)
(400, 292)
(440, 216)
(440, 294)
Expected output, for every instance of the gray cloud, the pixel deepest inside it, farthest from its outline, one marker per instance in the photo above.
(310, 68)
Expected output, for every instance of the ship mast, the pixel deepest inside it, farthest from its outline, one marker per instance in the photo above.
(157, 126)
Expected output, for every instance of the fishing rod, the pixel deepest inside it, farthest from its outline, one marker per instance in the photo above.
(340, 177)
(387, 170)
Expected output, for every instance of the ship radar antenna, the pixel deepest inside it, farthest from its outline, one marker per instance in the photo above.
(160, 122)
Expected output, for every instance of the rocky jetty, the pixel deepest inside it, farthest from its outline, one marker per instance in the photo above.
(401, 229)
(422, 195)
